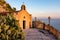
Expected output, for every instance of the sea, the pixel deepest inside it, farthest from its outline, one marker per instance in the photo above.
(55, 22)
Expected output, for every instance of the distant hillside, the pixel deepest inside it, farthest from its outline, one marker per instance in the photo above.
(5, 7)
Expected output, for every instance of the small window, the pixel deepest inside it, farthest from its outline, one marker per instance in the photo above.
(24, 16)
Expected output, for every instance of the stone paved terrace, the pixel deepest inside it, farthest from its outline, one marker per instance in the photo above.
(38, 34)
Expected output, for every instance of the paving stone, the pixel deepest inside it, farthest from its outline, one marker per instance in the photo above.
(37, 34)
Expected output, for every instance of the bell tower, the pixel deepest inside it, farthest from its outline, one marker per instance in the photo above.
(23, 7)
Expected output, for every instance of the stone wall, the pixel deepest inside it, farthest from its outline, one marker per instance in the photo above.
(51, 29)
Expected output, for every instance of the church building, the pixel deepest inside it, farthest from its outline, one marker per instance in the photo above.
(25, 19)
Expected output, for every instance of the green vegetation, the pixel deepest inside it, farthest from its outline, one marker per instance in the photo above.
(8, 8)
(9, 29)
(9, 26)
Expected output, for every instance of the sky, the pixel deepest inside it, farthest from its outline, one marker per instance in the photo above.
(38, 8)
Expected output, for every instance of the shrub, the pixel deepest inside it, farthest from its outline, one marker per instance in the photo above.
(8, 28)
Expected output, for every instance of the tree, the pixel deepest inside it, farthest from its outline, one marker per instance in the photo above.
(14, 9)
